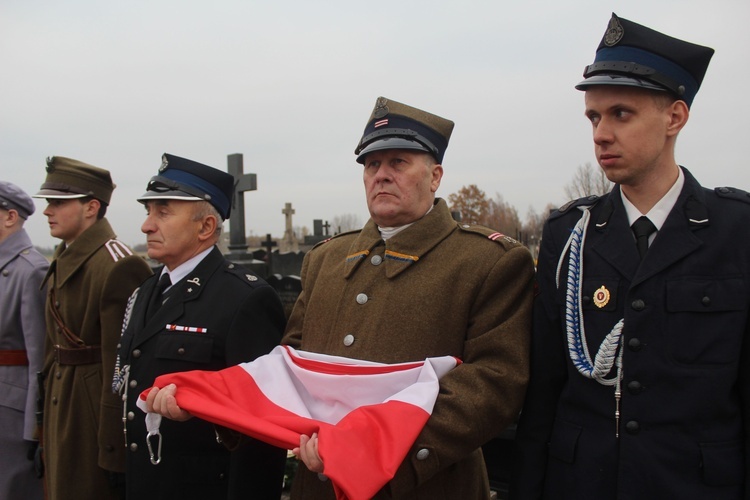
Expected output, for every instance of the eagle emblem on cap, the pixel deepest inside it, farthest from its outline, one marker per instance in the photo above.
(614, 32)
(50, 164)
(164, 163)
(381, 108)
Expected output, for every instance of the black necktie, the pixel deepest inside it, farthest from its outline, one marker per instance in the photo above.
(156, 296)
(642, 228)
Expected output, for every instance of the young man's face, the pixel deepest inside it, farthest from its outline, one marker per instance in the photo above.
(400, 185)
(68, 218)
(631, 128)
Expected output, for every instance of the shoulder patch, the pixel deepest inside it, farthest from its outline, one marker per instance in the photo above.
(490, 234)
(244, 274)
(117, 249)
(580, 202)
(732, 194)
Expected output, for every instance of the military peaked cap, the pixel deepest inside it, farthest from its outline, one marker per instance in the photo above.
(393, 125)
(183, 179)
(634, 55)
(68, 178)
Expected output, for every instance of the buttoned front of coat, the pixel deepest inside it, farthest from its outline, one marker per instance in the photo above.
(91, 281)
(437, 288)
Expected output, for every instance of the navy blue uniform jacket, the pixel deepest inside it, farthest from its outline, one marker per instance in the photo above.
(685, 389)
(244, 319)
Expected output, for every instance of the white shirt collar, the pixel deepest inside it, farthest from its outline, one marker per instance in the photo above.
(659, 212)
(390, 232)
(179, 272)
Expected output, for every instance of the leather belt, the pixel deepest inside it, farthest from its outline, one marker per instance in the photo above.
(88, 355)
(13, 358)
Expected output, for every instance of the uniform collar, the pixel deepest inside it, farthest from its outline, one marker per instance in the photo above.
(659, 212)
(405, 248)
(68, 259)
(187, 267)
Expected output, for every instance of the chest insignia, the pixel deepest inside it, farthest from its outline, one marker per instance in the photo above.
(601, 297)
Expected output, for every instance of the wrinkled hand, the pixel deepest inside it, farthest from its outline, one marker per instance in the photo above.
(163, 402)
(308, 452)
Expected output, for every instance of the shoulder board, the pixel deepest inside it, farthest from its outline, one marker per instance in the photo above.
(732, 194)
(490, 234)
(320, 243)
(244, 274)
(117, 249)
(580, 202)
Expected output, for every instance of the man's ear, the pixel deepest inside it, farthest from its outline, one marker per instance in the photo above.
(91, 208)
(209, 225)
(678, 117)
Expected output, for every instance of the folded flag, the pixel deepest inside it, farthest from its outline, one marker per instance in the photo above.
(367, 415)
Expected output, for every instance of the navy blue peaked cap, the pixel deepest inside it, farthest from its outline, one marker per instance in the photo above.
(633, 55)
(183, 179)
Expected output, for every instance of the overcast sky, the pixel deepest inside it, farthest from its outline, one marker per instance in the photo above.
(290, 85)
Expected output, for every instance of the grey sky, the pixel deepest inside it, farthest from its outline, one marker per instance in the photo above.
(290, 84)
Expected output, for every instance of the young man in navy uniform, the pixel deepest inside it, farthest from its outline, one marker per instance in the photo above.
(639, 381)
(199, 311)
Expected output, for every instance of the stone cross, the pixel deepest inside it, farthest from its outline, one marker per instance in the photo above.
(268, 244)
(289, 241)
(242, 183)
(326, 227)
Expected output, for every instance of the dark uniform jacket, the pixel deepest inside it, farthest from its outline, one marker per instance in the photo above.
(437, 288)
(243, 319)
(685, 391)
(91, 280)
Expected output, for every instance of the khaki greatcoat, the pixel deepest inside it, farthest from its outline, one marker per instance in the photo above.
(436, 288)
(83, 438)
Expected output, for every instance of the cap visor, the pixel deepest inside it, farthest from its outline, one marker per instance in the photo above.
(390, 143)
(624, 81)
(54, 194)
(168, 195)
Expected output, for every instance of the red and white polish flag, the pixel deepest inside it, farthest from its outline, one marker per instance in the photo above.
(367, 415)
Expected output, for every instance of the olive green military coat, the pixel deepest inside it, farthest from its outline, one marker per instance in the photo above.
(436, 288)
(83, 439)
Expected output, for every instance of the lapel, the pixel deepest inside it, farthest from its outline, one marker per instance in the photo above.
(186, 290)
(674, 241)
(69, 259)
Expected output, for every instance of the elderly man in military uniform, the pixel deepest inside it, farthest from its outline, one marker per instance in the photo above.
(22, 269)
(89, 281)
(413, 283)
(198, 312)
(639, 382)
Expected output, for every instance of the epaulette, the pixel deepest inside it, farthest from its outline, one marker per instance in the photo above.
(506, 241)
(354, 231)
(244, 274)
(117, 249)
(732, 194)
(586, 201)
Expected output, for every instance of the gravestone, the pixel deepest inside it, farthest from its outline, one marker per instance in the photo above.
(288, 288)
(237, 238)
(289, 241)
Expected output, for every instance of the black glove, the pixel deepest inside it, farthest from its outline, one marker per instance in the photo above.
(31, 447)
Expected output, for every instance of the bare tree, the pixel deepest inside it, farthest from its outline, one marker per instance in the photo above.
(587, 181)
(345, 222)
(503, 216)
(471, 202)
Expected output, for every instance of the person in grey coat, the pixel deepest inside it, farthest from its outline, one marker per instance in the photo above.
(22, 269)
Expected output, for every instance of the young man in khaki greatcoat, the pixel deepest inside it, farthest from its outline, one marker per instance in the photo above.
(89, 282)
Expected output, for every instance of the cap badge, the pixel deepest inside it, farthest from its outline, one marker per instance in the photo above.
(381, 108)
(164, 164)
(601, 297)
(614, 32)
(50, 164)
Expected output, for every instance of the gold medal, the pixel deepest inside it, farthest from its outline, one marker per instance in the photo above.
(601, 297)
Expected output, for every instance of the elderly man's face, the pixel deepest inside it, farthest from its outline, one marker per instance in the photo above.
(172, 230)
(400, 185)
